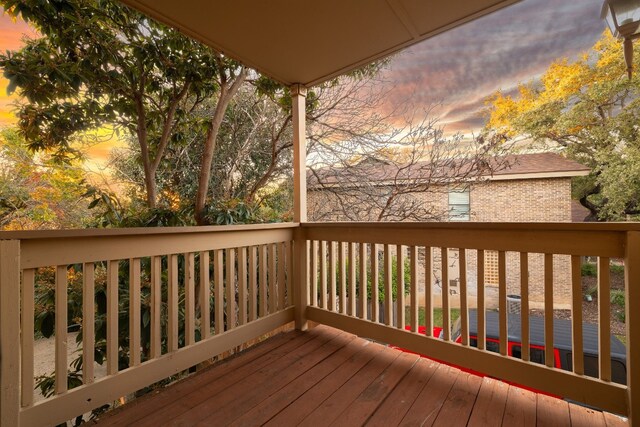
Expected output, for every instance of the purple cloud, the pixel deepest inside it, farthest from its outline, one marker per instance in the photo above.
(460, 68)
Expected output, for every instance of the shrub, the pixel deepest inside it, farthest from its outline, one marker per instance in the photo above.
(617, 298)
(617, 269)
(589, 270)
(381, 285)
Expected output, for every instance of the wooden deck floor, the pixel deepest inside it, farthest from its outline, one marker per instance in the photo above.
(329, 377)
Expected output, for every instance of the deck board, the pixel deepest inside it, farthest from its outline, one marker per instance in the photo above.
(331, 408)
(268, 408)
(424, 410)
(148, 404)
(309, 401)
(490, 404)
(256, 389)
(552, 412)
(358, 411)
(328, 377)
(584, 417)
(233, 393)
(460, 401)
(398, 403)
(520, 409)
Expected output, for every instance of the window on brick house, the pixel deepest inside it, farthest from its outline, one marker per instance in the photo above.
(459, 207)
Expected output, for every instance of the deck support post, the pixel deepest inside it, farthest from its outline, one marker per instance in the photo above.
(632, 317)
(10, 332)
(298, 98)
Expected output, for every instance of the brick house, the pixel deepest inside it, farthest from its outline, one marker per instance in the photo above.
(531, 188)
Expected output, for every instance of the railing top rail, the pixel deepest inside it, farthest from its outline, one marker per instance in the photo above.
(139, 231)
(515, 226)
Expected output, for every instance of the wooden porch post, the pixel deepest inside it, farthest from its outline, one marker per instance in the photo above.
(10, 332)
(632, 317)
(298, 97)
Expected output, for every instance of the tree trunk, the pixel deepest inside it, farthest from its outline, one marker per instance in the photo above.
(227, 93)
(152, 189)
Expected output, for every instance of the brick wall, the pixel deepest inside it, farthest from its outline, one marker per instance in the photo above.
(523, 200)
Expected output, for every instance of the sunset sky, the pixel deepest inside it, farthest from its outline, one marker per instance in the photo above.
(457, 69)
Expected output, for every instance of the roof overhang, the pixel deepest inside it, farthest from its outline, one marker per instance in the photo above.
(309, 42)
(497, 177)
(539, 175)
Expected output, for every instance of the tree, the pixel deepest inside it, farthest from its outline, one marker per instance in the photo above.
(591, 109)
(36, 191)
(391, 167)
(252, 152)
(251, 170)
(99, 63)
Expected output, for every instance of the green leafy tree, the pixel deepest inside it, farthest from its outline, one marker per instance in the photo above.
(37, 191)
(99, 63)
(252, 159)
(591, 109)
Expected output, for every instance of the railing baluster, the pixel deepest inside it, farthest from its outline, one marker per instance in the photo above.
(156, 299)
(352, 279)
(112, 317)
(375, 282)
(272, 277)
(548, 310)
(205, 295)
(342, 257)
(231, 287)
(134, 312)
(172, 304)
(576, 316)
(481, 309)
(446, 312)
(502, 302)
(27, 302)
(290, 279)
(524, 307)
(332, 276)
(189, 298)
(428, 291)
(218, 290)
(281, 275)
(414, 288)
(61, 329)
(464, 303)
(388, 290)
(401, 321)
(262, 273)
(253, 285)
(363, 280)
(89, 320)
(323, 274)
(604, 319)
(313, 273)
(242, 285)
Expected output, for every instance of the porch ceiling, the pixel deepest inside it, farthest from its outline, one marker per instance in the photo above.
(309, 42)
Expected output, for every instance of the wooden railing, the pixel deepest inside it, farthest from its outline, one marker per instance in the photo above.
(261, 277)
(207, 291)
(351, 268)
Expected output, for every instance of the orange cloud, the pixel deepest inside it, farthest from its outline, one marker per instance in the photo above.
(13, 33)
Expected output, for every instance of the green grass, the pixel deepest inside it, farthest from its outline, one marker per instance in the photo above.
(437, 315)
